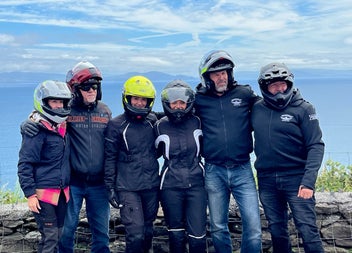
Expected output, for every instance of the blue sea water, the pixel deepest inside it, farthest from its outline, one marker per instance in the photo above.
(331, 98)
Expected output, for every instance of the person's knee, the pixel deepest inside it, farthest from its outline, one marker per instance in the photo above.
(197, 242)
(309, 233)
(278, 230)
(136, 231)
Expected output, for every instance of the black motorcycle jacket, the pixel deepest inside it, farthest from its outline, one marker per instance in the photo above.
(86, 126)
(226, 124)
(130, 156)
(180, 144)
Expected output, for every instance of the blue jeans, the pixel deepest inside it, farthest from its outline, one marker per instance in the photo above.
(98, 214)
(220, 182)
(275, 193)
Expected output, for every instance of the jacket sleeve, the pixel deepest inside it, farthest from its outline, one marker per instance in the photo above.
(111, 155)
(158, 145)
(29, 157)
(314, 144)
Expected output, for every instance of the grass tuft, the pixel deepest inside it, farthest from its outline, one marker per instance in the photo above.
(11, 196)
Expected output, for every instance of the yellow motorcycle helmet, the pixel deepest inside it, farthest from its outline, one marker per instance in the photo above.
(138, 86)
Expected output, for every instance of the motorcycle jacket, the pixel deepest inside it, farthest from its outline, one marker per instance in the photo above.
(130, 156)
(226, 127)
(86, 126)
(180, 144)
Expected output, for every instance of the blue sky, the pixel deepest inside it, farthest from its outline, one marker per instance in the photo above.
(172, 35)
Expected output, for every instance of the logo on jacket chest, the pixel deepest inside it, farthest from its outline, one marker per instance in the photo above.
(236, 101)
(286, 117)
(75, 119)
(94, 119)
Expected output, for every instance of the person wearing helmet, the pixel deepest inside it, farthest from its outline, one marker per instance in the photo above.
(289, 152)
(183, 196)
(131, 165)
(138, 97)
(224, 107)
(80, 77)
(43, 165)
(85, 126)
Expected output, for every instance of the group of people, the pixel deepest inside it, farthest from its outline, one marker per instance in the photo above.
(73, 150)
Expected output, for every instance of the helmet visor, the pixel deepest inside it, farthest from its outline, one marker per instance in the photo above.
(220, 66)
(173, 94)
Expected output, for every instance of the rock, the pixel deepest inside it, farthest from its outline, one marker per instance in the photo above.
(334, 211)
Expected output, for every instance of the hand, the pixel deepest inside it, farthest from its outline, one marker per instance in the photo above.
(29, 128)
(114, 199)
(33, 204)
(304, 192)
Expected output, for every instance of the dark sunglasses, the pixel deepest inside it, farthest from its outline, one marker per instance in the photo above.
(87, 87)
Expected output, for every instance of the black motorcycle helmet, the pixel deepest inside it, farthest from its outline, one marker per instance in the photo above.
(271, 73)
(173, 91)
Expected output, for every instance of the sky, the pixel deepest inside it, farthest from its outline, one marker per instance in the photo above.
(172, 35)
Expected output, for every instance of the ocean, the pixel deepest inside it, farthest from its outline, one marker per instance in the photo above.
(331, 98)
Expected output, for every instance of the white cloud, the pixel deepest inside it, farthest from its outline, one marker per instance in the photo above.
(172, 36)
(6, 39)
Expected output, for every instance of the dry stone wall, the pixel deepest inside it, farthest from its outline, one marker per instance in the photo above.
(19, 233)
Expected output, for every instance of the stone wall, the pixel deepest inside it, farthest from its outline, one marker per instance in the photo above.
(19, 234)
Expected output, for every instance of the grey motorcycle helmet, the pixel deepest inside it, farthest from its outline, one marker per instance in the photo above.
(214, 61)
(50, 89)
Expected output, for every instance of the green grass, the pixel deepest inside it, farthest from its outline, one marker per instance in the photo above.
(11, 196)
(333, 177)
